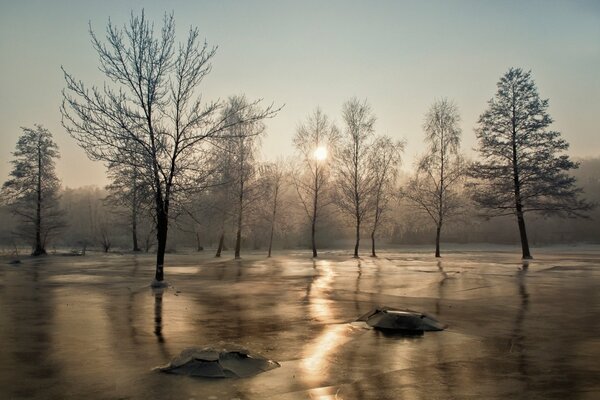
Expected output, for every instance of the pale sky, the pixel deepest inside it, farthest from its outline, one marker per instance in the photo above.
(400, 55)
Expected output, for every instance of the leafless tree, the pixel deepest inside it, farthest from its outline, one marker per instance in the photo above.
(314, 139)
(354, 178)
(222, 199)
(244, 138)
(32, 189)
(384, 161)
(274, 175)
(130, 196)
(152, 101)
(439, 173)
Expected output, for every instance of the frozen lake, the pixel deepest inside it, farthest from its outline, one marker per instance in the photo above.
(91, 327)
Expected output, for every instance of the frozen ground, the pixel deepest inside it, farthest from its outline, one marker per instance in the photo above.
(91, 327)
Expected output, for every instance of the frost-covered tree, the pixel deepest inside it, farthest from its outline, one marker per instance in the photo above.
(523, 167)
(273, 177)
(32, 189)
(243, 138)
(435, 186)
(131, 196)
(314, 141)
(384, 161)
(354, 179)
(222, 195)
(152, 99)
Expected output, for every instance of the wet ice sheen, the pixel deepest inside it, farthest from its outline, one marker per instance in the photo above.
(91, 327)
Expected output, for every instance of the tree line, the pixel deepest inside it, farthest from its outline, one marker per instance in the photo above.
(174, 160)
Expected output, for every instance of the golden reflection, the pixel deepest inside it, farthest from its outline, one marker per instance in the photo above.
(324, 393)
(315, 364)
(320, 305)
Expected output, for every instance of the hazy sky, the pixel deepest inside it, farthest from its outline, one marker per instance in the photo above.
(400, 55)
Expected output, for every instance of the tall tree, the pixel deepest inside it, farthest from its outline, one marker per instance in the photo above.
(354, 178)
(274, 175)
(384, 161)
(130, 196)
(222, 199)
(153, 101)
(438, 177)
(244, 137)
(522, 168)
(32, 189)
(313, 140)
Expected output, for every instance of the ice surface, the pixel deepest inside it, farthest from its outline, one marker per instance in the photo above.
(91, 326)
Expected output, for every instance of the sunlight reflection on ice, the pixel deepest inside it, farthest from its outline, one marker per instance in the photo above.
(315, 364)
(320, 306)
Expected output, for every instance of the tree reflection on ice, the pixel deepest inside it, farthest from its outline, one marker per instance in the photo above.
(158, 308)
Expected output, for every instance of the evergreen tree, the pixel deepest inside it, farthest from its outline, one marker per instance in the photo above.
(522, 168)
(32, 189)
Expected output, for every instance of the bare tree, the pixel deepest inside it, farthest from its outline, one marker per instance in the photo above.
(354, 178)
(384, 161)
(129, 195)
(274, 174)
(313, 141)
(434, 187)
(244, 137)
(521, 168)
(222, 198)
(153, 102)
(32, 189)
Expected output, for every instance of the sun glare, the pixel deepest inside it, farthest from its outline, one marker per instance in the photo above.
(320, 153)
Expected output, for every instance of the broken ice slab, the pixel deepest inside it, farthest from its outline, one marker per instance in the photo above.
(409, 321)
(218, 363)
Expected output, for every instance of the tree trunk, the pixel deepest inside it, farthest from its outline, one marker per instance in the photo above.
(373, 254)
(238, 236)
(273, 220)
(162, 220)
(134, 217)
(39, 249)
(271, 239)
(134, 233)
(357, 238)
(312, 235)
(523, 233)
(238, 242)
(438, 232)
(220, 247)
(517, 187)
(314, 215)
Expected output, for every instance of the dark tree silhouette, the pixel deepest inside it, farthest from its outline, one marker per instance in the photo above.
(439, 172)
(32, 189)
(152, 100)
(522, 169)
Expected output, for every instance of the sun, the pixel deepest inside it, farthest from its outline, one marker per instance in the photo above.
(320, 153)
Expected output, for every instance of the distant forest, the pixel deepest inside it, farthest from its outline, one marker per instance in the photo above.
(94, 223)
